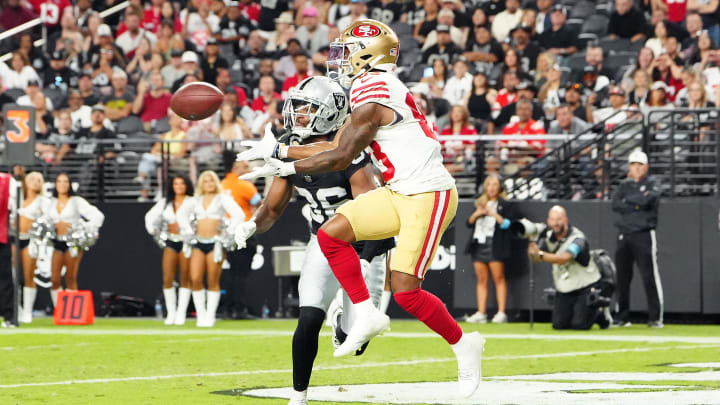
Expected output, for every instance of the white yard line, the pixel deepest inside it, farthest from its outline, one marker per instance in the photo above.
(126, 342)
(589, 336)
(347, 366)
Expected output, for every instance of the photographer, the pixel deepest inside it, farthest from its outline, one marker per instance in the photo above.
(574, 273)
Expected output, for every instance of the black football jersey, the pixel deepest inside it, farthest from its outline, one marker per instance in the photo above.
(326, 192)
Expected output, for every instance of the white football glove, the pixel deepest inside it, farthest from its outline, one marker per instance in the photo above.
(272, 168)
(267, 148)
(243, 232)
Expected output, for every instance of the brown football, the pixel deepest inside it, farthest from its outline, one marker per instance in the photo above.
(196, 101)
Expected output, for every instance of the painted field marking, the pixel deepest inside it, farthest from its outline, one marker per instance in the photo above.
(501, 392)
(590, 336)
(346, 366)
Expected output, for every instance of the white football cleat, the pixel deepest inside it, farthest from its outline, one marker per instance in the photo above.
(469, 354)
(298, 398)
(337, 341)
(367, 325)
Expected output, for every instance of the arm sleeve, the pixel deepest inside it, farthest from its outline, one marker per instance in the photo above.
(580, 251)
(91, 213)
(153, 216)
(256, 199)
(358, 163)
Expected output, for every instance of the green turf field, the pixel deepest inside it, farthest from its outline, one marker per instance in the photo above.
(119, 361)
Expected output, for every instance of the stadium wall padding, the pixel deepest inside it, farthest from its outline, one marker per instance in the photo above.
(126, 260)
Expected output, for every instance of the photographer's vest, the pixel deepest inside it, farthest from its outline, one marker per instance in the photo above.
(572, 275)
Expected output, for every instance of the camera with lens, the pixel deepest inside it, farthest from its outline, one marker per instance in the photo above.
(526, 229)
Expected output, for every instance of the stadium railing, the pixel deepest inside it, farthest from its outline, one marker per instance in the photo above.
(683, 147)
(114, 180)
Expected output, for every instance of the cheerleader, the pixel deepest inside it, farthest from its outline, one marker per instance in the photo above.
(211, 207)
(31, 208)
(66, 211)
(161, 222)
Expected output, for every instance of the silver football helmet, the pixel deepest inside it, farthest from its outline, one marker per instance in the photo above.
(316, 106)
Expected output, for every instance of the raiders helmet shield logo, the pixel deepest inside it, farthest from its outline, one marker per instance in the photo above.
(365, 31)
(339, 101)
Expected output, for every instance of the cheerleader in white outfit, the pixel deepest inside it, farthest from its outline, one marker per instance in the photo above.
(161, 222)
(210, 209)
(31, 208)
(64, 211)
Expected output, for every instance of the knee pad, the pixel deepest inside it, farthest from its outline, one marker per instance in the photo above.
(310, 320)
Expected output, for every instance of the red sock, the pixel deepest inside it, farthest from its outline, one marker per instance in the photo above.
(345, 264)
(431, 311)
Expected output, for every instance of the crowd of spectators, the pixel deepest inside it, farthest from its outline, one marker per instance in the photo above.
(474, 67)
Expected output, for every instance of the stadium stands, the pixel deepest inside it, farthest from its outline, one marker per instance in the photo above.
(172, 38)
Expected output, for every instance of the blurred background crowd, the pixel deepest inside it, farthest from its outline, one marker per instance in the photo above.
(106, 71)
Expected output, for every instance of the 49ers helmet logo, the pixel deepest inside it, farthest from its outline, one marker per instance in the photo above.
(365, 31)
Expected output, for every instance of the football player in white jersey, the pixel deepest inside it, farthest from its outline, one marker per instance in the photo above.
(313, 112)
(417, 204)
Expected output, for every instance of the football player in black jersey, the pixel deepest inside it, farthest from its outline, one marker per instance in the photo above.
(313, 112)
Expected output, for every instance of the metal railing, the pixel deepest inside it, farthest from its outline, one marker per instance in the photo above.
(114, 179)
(683, 148)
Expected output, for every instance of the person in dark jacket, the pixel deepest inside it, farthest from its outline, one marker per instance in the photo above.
(636, 200)
(489, 246)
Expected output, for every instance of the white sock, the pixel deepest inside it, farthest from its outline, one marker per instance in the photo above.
(198, 298)
(54, 295)
(183, 301)
(213, 300)
(364, 308)
(385, 301)
(460, 345)
(170, 301)
(29, 294)
(298, 395)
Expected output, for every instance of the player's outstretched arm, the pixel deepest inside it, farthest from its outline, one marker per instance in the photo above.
(357, 136)
(274, 204)
(298, 152)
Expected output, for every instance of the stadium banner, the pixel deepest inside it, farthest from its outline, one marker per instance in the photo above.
(19, 130)
(127, 261)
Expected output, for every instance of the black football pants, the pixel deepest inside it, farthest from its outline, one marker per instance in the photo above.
(638, 248)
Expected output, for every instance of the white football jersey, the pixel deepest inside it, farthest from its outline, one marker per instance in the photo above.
(406, 151)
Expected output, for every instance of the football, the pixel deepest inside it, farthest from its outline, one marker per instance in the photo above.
(196, 101)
